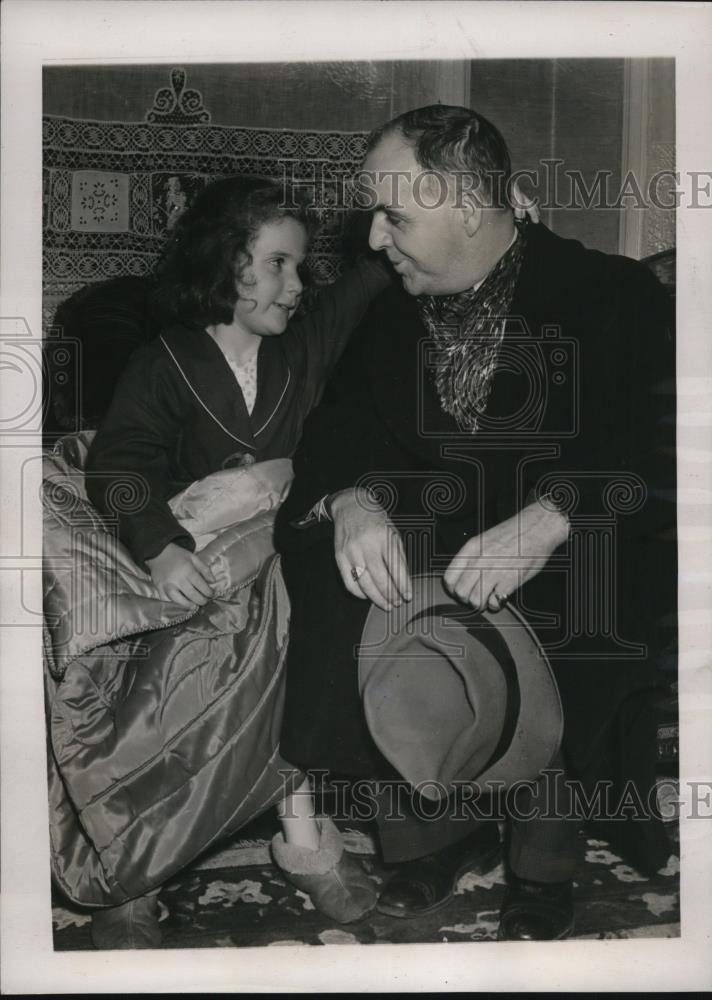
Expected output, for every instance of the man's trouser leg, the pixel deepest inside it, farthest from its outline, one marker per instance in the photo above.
(411, 829)
(542, 831)
(542, 828)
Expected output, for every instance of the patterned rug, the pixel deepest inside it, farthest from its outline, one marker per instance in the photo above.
(235, 897)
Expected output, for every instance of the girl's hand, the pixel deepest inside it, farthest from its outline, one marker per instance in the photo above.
(524, 206)
(181, 577)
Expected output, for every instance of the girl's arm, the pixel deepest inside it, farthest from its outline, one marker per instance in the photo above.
(127, 476)
(324, 332)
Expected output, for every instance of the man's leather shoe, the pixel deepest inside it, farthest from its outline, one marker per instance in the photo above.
(536, 911)
(426, 884)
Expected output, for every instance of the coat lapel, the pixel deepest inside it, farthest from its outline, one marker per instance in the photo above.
(402, 390)
(405, 395)
(534, 377)
(274, 381)
(211, 380)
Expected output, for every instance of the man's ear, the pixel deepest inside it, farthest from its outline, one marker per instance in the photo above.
(471, 213)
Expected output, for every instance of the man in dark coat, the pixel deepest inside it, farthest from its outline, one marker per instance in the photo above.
(496, 422)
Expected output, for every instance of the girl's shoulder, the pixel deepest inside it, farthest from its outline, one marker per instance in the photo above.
(171, 343)
(159, 363)
(146, 366)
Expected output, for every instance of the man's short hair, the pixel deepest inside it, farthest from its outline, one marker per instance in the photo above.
(456, 140)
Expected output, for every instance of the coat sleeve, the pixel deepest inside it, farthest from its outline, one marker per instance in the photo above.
(620, 469)
(340, 439)
(623, 456)
(127, 472)
(321, 336)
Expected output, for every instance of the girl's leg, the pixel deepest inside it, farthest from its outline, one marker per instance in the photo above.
(296, 814)
(310, 853)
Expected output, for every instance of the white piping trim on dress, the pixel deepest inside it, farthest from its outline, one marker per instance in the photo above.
(277, 404)
(210, 412)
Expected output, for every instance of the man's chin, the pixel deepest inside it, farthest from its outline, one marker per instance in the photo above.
(412, 284)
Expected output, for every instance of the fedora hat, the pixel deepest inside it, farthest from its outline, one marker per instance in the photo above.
(451, 694)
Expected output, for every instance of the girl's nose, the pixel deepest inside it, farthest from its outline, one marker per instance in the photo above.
(378, 237)
(294, 283)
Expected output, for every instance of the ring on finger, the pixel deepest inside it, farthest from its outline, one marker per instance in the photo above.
(501, 600)
(356, 572)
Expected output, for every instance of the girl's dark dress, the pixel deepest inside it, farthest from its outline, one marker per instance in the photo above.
(178, 414)
(167, 740)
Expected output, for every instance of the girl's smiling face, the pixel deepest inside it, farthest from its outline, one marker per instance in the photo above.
(269, 287)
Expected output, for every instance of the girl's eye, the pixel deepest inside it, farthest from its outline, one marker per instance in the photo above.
(277, 262)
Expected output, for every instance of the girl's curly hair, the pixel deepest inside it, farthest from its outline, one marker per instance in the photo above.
(195, 279)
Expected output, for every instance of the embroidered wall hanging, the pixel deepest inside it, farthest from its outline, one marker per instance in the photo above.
(113, 190)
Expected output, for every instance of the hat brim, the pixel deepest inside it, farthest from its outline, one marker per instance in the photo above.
(536, 733)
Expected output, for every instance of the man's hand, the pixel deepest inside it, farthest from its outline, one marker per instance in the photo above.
(505, 557)
(367, 543)
(181, 577)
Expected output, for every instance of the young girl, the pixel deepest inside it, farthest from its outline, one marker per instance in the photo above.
(230, 381)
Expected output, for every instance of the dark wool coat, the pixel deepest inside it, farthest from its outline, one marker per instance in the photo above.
(575, 410)
(172, 426)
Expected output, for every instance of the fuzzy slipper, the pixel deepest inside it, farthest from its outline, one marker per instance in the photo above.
(335, 882)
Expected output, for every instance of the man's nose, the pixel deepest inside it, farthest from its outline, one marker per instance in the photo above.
(379, 237)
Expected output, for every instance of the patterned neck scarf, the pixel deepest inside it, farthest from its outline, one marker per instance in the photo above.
(468, 329)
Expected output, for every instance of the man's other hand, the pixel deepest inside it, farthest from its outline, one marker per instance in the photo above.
(369, 550)
(491, 566)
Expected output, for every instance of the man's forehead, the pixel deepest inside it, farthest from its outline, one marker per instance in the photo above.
(388, 188)
(394, 179)
(392, 152)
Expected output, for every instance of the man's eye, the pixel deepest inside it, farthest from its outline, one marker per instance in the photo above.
(394, 220)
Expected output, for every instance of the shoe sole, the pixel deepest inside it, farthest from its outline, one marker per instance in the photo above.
(490, 862)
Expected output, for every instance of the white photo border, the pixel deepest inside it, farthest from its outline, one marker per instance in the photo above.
(37, 32)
